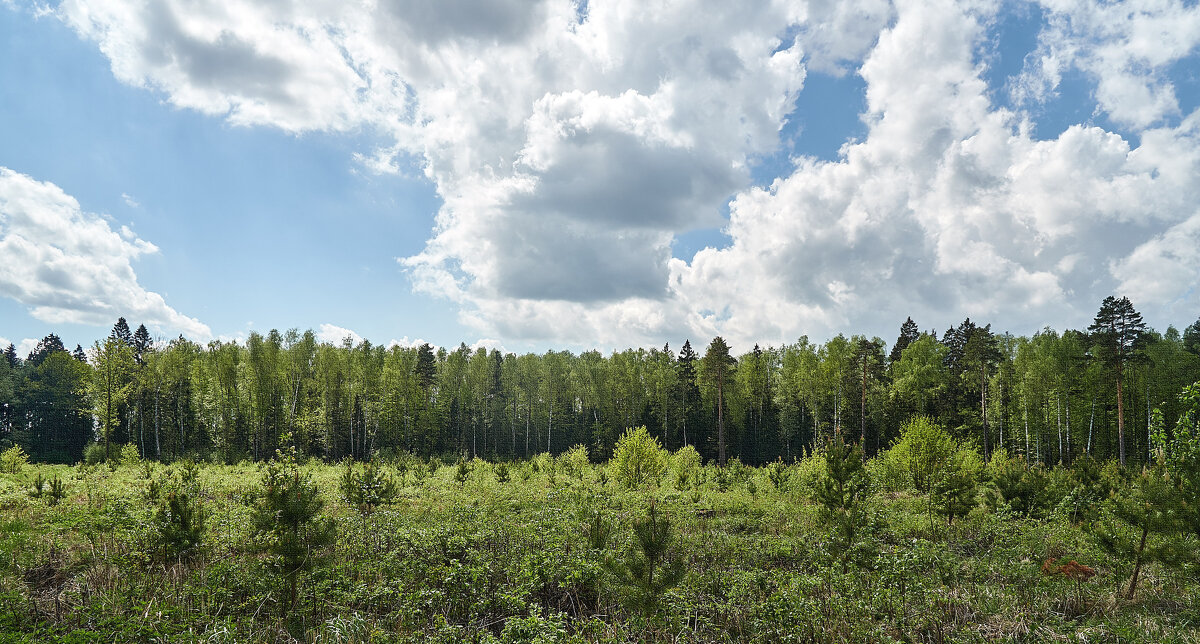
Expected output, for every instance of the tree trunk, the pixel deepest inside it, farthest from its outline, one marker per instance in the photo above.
(720, 419)
(1137, 565)
(1120, 417)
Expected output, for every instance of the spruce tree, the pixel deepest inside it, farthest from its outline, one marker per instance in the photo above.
(717, 368)
(908, 334)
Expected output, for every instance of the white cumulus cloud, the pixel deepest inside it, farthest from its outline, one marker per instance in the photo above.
(68, 265)
(571, 143)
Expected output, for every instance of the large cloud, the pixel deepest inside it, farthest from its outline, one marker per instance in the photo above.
(572, 142)
(68, 265)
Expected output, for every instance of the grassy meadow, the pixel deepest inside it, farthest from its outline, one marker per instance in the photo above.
(535, 550)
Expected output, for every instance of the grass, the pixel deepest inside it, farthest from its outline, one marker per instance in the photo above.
(491, 562)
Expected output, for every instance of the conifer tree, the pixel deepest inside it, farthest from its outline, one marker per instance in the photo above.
(288, 516)
(717, 367)
(908, 334)
(1118, 335)
(842, 493)
(650, 567)
(1146, 525)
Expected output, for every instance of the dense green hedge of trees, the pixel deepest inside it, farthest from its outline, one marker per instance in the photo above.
(1051, 397)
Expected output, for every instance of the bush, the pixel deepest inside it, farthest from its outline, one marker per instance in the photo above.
(575, 461)
(129, 455)
(685, 463)
(93, 454)
(13, 459)
(1016, 484)
(365, 491)
(638, 458)
(923, 451)
(953, 495)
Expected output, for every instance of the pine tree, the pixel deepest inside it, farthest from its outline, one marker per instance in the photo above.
(78, 354)
(650, 567)
(1146, 525)
(1118, 336)
(10, 355)
(842, 493)
(288, 514)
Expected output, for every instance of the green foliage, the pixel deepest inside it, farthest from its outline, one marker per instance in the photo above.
(686, 464)
(128, 455)
(1015, 484)
(502, 474)
(1180, 452)
(779, 473)
(287, 517)
(13, 459)
(924, 450)
(842, 493)
(367, 489)
(53, 490)
(179, 524)
(598, 529)
(575, 461)
(953, 495)
(650, 566)
(638, 458)
(93, 454)
(462, 472)
(1146, 524)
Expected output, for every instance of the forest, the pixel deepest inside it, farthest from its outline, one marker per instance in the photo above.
(967, 486)
(1049, 398)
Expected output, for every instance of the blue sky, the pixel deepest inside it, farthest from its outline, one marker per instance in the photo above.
(523, 180)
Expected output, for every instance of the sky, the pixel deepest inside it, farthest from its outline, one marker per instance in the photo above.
(534, 175)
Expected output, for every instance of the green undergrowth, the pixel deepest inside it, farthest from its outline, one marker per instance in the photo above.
(453, 559)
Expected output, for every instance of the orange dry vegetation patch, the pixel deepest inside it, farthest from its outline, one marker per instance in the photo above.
(1072, 570)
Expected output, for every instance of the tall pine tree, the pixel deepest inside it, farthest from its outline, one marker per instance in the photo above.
(1117, 336)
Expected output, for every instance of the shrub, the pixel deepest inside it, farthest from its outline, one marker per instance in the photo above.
(129, 455)
(953, 495)
(685, 462)
(365, 491)
(1016, 484)
(575, 461)
(462, 472)
(501, 471)
(13, 459)
(93, 454)
(779, 473)
(638, 458)
(924, 450)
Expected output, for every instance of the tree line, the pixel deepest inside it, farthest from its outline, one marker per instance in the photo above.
(1051, 397)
